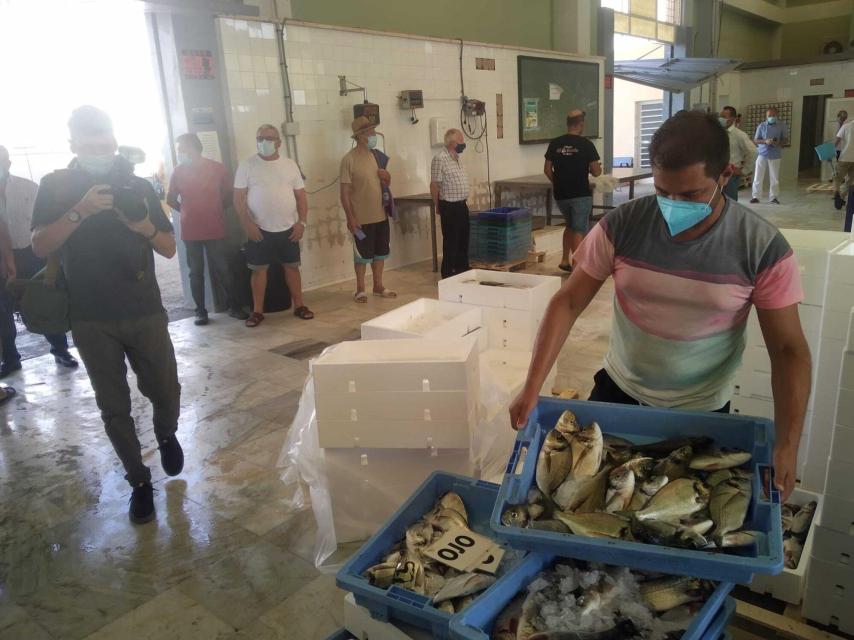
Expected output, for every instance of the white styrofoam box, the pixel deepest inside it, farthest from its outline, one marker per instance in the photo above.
(845, 408)
(789, 585)
(359, 622)
(835, 324)
(756, 358)
(840, 479)
(500, 289)
(511, 329)
(367, 486)
(842, 446)
(749, 406)
(814, 288)
(398, 365)
(510, 368)
(756, 384)
(427, 318)
(838, 514)
(403, 420)
(812, 478)
(834, 546)
(829, 594)
(811, 323)
(846, 379)
(804, 240)
(842, 264)
(840, 297)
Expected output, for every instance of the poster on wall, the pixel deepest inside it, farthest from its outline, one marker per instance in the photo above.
(197, 64)
(210, 145)
(531, 113)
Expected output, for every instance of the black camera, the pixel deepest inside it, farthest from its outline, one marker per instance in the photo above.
(129, 200)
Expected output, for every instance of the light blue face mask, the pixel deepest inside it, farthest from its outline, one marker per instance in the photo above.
(267, 148)
(372, 142)
(96, 165)
(681, 215)
(772, 119)
(183, 158)
(724, 122)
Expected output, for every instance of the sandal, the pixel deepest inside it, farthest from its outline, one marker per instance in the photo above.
(565, 267)
(386, 293)
(361, 297)
(8, 394)
(254, 319)
(304, 313)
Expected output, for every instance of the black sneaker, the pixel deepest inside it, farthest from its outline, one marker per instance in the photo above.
(66, 360)
(838, 202)
(775, 201)
(142, 504)
(171, 455)
(201, 318)
(8, 368)
(238, 314)
(754, 201)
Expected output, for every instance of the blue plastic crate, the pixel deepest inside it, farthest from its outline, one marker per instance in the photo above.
(716, 629)
(341, 634)
(475, 623)
(396, 603)
(503, 213)
(647, 424)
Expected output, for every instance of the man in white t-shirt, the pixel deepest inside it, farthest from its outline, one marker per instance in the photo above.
(845, 163)
(270, 198)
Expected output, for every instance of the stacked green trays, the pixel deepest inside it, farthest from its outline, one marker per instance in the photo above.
(500, 235)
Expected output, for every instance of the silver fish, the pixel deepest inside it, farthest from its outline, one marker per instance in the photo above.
(678, 499)
(596, 525)
(738, 539)
(664, 448)
(445, 518)
(433, 582)
(663, 594)
(675, 465)
(669, 534)
(567, 423)
(584, 492)
(720, 459)
(549, 525)
(792, 550)
(621, 488)
(716, 477)
(463, 585)
(554, 462)
(382, 575)
(453, 501)
(802, 520)
(645, 490)
(728, 505)
(447, 606)
(419, 536)
(587, 446)
(641, 466)
(515, 516)
(787, 512)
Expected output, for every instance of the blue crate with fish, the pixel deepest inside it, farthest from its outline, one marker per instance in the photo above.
(392, 575)
(548, 595)
(341, 634)
(679, 492)
(500, 235)
(717, 628)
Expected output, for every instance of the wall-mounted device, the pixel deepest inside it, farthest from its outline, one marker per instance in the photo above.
(472, 107)
(411, 99)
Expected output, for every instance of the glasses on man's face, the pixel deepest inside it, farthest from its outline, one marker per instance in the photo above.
(268, 138)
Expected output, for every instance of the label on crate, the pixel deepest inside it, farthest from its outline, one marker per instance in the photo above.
(461, 549)
(490, 560)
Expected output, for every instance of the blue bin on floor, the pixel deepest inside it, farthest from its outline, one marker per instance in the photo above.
(647, 424)
(396, 603)
(717, 628)
(341, 634)
(476, 622)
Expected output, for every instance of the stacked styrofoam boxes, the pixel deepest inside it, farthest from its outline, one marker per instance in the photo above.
(753, 394)
(428, 318)
(830, 584)
(389, 413)
(513, 305)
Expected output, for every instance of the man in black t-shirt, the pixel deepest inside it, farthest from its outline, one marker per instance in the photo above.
(105, 223)
(569, 159)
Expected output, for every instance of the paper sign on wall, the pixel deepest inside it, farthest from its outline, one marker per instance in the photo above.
(210, 145)
(555, 91)
(531, 113)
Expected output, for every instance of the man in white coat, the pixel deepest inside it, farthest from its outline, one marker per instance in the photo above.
(742, 151)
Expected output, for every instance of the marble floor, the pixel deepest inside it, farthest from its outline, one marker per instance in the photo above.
(230, 554)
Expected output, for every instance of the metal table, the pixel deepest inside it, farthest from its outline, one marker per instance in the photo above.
(420, 200)
(540, 184)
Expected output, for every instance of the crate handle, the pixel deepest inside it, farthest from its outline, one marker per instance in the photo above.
(514, 457)
(769, 493)
(408, 598)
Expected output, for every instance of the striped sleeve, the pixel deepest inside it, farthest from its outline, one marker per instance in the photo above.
(778, 281)
(595, 256)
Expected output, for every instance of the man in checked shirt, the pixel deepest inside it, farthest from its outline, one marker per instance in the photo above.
(449, 188)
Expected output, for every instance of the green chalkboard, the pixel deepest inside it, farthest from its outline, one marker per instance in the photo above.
(548, 89)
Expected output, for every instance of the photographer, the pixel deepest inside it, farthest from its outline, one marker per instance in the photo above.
(104, 222)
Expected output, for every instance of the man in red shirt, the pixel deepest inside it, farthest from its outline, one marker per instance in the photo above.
(200, 189)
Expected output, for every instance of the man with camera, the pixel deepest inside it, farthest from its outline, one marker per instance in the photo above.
(105, 223)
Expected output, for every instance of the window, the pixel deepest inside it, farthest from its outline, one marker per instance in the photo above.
(649, 115)
(653, 19)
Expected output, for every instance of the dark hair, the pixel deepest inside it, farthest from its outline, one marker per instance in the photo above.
(89, 120)
(688, 138)
(574, 121)
(190, 139)
(731, 110)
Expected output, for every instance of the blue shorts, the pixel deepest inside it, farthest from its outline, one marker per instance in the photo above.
(576, 212)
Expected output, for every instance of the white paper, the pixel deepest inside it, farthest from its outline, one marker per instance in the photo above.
(555, 91)
(210, 145)
(299, 97)
(460, 549)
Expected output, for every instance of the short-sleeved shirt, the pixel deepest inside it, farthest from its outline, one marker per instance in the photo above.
(571, 156)
(448, 172)
(201, 187)
(680, 308)
(271, 185)
(777, 130)
(109, 268)
(359, 169)
(19, 196)
(846, 149)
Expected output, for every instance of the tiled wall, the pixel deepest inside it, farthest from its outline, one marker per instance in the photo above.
(384, 65)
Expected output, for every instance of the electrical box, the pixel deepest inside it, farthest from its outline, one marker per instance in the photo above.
(438, 127)
(473, 107)
(411, 99)
(368, 109)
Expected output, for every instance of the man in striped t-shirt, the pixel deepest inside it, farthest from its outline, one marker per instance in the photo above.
(688, 264)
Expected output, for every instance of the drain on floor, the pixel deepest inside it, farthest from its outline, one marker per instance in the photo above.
(300, 349)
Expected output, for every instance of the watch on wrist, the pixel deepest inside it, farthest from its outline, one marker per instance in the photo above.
(304, 225)
(74, 216)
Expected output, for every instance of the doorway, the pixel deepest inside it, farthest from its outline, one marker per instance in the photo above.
(812, 134)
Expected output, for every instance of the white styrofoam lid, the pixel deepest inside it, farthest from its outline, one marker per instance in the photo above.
(403, 350)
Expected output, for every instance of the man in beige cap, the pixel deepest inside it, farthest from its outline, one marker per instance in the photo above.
(363, 176)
